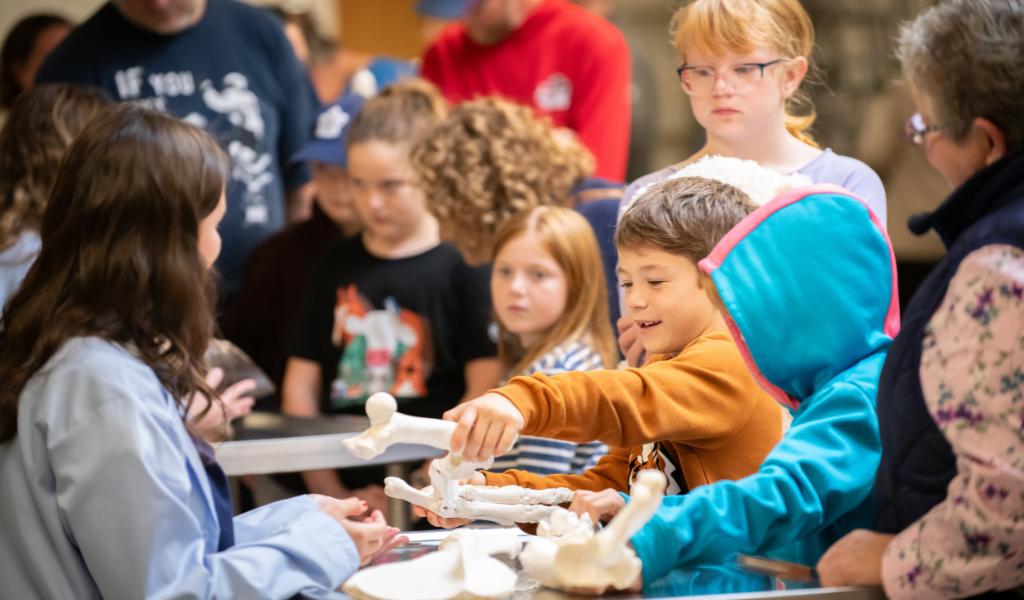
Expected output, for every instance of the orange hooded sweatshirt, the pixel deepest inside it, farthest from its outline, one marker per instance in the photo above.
(698, 417)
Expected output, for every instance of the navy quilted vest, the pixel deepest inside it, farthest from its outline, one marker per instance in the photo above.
(917, 461)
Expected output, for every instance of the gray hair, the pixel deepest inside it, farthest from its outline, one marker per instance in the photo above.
(967, 57)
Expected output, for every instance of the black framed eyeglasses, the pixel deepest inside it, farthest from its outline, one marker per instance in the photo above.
(916, 130)
(742, 78)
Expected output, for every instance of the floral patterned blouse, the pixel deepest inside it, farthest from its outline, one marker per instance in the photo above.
(972, 375)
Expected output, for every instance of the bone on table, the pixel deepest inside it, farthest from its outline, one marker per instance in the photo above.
(569, 553)
(505, 506)
(462, 569)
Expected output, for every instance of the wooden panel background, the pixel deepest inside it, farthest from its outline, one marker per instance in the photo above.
(389, 27)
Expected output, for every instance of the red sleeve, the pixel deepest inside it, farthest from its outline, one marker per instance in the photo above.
(601, 103)
(431, 67)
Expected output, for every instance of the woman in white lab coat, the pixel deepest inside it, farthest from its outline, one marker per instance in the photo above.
(106, 489)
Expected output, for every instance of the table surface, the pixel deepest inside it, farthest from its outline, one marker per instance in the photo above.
(273, 443)
(724, 582)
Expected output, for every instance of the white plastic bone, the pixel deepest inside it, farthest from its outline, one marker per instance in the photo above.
(387, 426)
(505, 506)
(461, 569)
(570, 554)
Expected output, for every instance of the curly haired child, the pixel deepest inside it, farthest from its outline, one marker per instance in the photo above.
(490, 159)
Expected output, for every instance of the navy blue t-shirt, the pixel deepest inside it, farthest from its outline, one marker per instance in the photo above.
(233, 74)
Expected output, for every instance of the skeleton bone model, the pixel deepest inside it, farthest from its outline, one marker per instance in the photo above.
(462, 568)
(567, 552)
(505, 506)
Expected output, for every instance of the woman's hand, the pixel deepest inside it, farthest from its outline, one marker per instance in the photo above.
(443, 522)
(601, 506)
(856, 559)
(629, 341)
(374, 499)
(234, 399)
(372, 536)
(487, 427)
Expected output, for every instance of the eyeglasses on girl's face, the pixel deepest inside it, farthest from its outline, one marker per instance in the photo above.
(916, 130)
(700, 81)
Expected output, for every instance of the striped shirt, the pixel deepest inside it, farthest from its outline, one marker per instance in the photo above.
(550, 457)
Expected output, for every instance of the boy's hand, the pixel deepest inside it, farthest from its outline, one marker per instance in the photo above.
(601, 506)
(442, 522)
(488, 427)
(629, 341)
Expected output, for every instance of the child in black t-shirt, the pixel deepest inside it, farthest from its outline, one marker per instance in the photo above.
(393, 309)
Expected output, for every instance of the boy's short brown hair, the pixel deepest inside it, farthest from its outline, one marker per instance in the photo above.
(685, 216)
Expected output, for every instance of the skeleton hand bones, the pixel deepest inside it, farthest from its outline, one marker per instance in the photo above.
(505, 506)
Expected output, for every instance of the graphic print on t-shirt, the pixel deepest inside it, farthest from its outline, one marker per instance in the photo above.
(554, 94)
(384, 350)
(657, 456)
(233, 116)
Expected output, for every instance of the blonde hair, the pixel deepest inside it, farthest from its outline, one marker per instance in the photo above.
(489, 160)
(568, 237)
(714, 26)
(402, 113)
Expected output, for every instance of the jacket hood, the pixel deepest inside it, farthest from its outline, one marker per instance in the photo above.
(809, 280)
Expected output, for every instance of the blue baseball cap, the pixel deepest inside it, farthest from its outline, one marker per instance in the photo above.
(444, 9)
(328, 143)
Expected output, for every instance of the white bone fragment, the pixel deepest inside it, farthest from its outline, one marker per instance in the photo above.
(387, 426)
(461, 569)
(445, 497)
(570, 554)
(514, 494)
(560, 529)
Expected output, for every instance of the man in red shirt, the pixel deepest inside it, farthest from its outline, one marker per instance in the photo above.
(565, 62)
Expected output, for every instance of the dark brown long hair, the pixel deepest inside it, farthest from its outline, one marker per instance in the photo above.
(40, 126)
(120, 255)
(17, 48)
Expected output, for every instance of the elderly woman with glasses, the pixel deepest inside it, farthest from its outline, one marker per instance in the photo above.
(949, 494)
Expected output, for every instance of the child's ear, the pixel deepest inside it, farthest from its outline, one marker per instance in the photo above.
(794, 74)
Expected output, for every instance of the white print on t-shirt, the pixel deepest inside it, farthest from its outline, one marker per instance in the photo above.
(554, 93)
(252, 170)
(236, 101)
(172, 84)
(249, 165)
(129, 82)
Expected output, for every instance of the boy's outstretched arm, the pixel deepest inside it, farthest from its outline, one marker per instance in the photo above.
(611, 471)
(704, 397)
(812, 488)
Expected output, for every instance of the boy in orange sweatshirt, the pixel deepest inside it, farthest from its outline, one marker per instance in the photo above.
(693, 410)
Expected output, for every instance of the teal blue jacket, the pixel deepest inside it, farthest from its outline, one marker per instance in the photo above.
(809, 281)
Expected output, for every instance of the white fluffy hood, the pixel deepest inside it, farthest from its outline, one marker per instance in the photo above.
(760, 183)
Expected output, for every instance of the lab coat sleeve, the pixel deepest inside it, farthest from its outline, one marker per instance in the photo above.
(125, 493)
(265, 520)
(823, 468)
